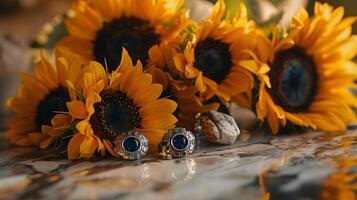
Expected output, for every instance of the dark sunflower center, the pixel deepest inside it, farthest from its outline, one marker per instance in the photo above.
(294, 79)
(135, 35)
(54, 101)
(213, 58)
(115, 114)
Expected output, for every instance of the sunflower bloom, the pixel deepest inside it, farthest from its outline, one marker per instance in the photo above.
(99, 29)
(214, 56)
(311, 72)
(40, 104)
(123, 101)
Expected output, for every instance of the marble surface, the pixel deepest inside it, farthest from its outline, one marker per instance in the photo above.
(310, 165)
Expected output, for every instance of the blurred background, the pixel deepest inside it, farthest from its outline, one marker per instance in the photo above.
(29, 23)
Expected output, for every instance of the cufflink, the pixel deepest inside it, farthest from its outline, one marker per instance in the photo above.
(177, 143)
(131, 145)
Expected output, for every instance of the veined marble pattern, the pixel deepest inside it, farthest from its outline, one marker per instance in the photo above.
(310, 165)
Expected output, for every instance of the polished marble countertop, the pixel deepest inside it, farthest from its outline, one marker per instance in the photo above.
(311, 165)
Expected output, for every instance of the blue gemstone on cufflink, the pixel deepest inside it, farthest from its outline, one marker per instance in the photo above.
(179, 142)
(131, 144)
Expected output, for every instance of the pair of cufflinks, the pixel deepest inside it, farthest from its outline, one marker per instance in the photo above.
(133, 145)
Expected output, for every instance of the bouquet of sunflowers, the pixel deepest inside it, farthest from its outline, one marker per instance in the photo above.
(140, 68)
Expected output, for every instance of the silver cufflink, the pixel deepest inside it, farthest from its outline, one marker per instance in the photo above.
(131, 145)
(177, 143)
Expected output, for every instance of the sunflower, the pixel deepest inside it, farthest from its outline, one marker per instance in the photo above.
(311, 72)
(214, 54)
(99, 29)
(118, 103)
(40, 104)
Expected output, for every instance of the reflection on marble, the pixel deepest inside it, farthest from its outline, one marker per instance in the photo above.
(309, 165)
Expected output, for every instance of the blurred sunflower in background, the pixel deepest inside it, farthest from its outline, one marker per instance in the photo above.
(99, 29)
(311, 72)
(112, 104)
(40, 105)
(212, 58)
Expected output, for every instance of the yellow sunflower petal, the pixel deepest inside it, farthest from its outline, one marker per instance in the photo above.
(60, 120)
(107, 8)
(109, 147)
(142, 82)
(82, 126)
(90, 101)
(45, 73)
(74, 144)
(218, 11)
(36, 137)
(23, 140)
(125, 63)
(88, 147)
(200, 85)
(159, 120)
(47, 142)
(273, 122)
(58, 132)
(34, 85)
(77, 109)
(159, 106)
(152, 93)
